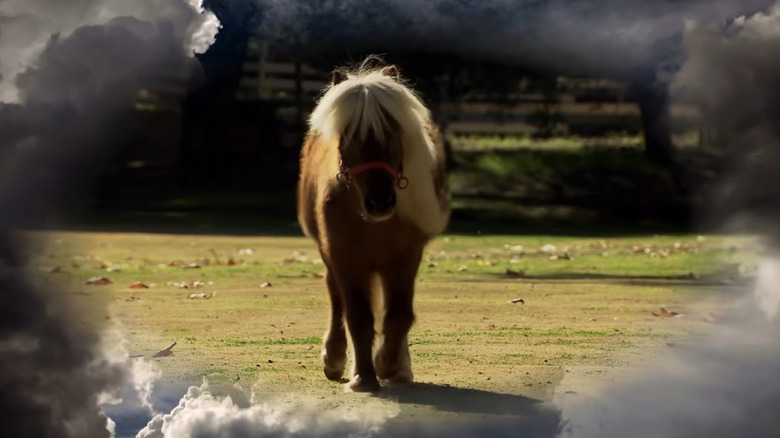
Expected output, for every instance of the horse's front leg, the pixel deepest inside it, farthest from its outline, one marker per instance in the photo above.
(393, 361)
(355, 286)
(334, 349)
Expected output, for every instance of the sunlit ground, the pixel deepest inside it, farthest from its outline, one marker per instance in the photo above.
(250, 311)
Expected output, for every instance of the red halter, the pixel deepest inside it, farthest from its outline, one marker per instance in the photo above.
(346, 174)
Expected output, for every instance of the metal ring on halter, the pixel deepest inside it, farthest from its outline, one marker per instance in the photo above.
(402, 182)
(343, 177)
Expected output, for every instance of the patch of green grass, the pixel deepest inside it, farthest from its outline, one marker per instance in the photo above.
(312, 340)
(423, 342)
(178, 330)
(431, 355)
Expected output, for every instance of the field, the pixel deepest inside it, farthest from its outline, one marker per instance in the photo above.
(250, 311)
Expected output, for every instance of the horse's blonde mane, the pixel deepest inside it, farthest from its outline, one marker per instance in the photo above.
(370, 101)
(362, 104)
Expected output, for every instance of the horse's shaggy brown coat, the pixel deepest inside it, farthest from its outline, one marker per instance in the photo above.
(358, 250)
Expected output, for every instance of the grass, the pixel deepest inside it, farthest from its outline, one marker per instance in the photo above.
(513, 142)
(269, 309)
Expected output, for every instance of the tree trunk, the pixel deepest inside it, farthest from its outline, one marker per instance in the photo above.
(300, 103)
(653, 101)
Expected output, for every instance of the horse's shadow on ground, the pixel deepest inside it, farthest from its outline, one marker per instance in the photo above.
(476, 413)
(453, 399)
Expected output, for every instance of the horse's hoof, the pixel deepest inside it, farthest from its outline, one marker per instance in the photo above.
(333, 373)
(359, 384)
(334, 369)
(400, 378)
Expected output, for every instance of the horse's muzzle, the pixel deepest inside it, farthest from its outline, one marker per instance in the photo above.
(380, 204)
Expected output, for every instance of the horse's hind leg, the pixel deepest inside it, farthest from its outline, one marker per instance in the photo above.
(334, 351)
(393, 362)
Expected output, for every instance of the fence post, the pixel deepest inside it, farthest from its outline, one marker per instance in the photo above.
(299, 98)
(261, 68)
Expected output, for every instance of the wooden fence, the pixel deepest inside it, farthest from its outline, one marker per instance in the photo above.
(292, 87)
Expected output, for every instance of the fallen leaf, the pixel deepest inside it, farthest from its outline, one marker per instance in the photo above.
(517, 300)
(98, 281)
(318, 274)
(431, 265)
(266, 284)
(202, 295)
(167, 351)
(514, 274)
(665, 313)
(231, 262)
(518, 249)
(138, 285)
(480, 262)
(175, 263)
(133, 299)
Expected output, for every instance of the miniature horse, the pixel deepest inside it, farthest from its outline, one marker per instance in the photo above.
(372, 192)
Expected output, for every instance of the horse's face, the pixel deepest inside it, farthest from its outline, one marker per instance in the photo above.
(374, 168)
(373, 164)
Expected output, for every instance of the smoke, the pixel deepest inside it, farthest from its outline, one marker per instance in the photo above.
(69, 74)
(202, 414)
(142, 373)
(29, 25)
(724, 384)
(605, 38)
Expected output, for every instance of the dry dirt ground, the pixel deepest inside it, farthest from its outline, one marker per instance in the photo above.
(249, 312)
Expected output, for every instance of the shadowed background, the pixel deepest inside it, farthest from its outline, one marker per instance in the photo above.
(550, 109)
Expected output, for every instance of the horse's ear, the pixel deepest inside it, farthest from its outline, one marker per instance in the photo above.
(339, 76)
(392, 71)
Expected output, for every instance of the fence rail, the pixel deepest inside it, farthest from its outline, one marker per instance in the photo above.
(294, 87)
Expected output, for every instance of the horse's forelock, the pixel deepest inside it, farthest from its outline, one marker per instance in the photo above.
(369, 102)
